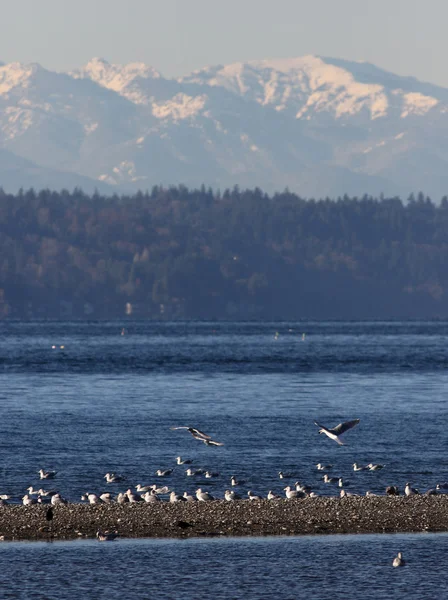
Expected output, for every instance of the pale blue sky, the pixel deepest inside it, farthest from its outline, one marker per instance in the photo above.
(408, 37)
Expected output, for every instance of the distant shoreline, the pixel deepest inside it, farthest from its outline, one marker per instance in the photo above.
(323, 515)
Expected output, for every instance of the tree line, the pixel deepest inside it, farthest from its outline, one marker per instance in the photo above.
(179, 253)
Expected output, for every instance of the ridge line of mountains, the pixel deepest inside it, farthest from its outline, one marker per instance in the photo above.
(321, 127)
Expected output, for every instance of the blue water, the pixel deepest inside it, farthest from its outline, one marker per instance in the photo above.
(337, 567)
(106, 402)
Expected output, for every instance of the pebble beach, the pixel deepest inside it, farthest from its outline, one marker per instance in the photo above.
(381, 514)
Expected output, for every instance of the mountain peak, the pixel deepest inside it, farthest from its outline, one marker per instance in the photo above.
(114, 76)
(16, 74)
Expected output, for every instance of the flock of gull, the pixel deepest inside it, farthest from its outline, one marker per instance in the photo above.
(156, 493)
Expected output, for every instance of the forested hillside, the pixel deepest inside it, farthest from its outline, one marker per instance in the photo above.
(180, 253)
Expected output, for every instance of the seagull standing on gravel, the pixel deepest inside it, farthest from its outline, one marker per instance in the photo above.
(335, 432)
(410, 491)
(231, 496)
(203, 496)
(176, 498)
(91, 498)
(290, 493)
(272, 496)
(189, 498)
(27, 500)
(58, 499)
(253, 496)
(151, 497)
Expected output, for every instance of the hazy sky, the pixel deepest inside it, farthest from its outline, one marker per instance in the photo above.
(407, 37)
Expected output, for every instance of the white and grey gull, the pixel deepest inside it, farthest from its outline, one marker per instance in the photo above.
(335, 433)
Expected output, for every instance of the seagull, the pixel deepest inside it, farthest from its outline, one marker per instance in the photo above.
(328, 479)
(196, 433)
(357, 467)
(47, 474)
(192, 472)
(106, 498)
(231, 496)
(272, 496)
(341, 482)
(161, 490)
(253, 496)
(142, 489)
(43, 492)
(189, 498)
(165, 473)
(151, 497)
(183, 462)
(112, 478)
(212, 443)
(27, 500)
(337, 431)
(302, 488)
(133, 498)
(176, 498)
(410, 491)
(284, 475)
(106, 536)
(122, 498)
(210, 474)
(203, 496)
(234, 481)
(290, 493)
(398, 560)
(373, 467)
(92, 498)
(58, 499)
(321, 467)
(200, 435)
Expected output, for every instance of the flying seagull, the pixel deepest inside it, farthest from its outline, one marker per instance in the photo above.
(335, 432)
(200, 435)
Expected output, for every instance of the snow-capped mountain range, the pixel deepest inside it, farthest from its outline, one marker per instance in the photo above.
(320, 126)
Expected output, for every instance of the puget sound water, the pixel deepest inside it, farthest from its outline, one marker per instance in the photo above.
(82, 399)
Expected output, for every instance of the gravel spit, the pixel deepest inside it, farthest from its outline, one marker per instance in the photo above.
(382, 514)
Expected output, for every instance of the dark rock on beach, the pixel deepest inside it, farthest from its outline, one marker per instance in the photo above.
(385, 514)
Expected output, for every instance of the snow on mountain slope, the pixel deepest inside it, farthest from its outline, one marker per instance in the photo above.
(309, 85)
(123, 79)
(320, 126)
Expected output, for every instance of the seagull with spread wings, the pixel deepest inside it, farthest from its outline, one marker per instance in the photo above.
(335, 432)
(200, 435)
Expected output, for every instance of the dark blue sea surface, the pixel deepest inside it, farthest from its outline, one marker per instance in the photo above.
(320, 567)
(82, 399)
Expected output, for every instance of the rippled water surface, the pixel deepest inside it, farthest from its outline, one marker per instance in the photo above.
(106, 402)
(338, 567)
